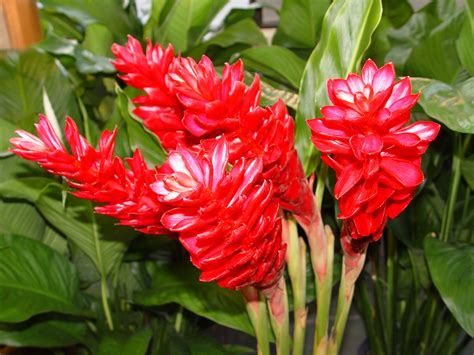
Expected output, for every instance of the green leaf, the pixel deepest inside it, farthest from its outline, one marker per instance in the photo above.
(450, 105)
(98, 40)
(109, 13)
(435, 56)
(467, 169)
(300, 23)
(277, 62)
(244, 32)
(54, 333)
(7, 130)
(452, 270)
(139, 137)
(35, 279)
(466, 38)
(102, 242)
(125, 343)
(346, 32)
(397, 11)
(180, 284)
(14, 215)
(407, 37)
(23, 77)
(187, 22)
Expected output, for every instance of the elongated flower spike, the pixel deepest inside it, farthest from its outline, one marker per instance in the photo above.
(376, 157)
(97, 175)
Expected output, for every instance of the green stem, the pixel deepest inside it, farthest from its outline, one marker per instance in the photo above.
(85, 118)
(458, 156)
(103, 276)
(257, 311)
(352, 265)
(368, 314)
(323, 172)
(296, 261)
(390, 290)
(178, 320)
(105, 302)
(323, 294)
(277, 301)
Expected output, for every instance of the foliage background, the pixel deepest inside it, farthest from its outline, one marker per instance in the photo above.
(61, 266)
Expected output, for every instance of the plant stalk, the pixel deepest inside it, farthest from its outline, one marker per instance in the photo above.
(390, 290)
(323, 272)
(296, 261)
(458, 156)
(257, 311)
(352, 265)
(277, 301)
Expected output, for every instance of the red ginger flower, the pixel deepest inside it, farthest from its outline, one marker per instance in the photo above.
(376, 159)
(97, 174)
(227, 221)
(206, 107)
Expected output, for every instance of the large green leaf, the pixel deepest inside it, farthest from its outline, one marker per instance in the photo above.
(103, 243)
(278, 63)
(109, 13)
(54, 333)
(407, 37)
(130, 344)
(300, 23)
(14, 214)
(245, 32)
(452, 270)
(23, 77)
(180, 284)
(187, 22)
(346, 32)
(451, 105)
(35, 279)
(435, 56)
(138, 136)
(466, 38)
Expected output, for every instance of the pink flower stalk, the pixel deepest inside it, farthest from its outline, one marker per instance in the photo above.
(376, 157)
(206, 106)
(228, 221)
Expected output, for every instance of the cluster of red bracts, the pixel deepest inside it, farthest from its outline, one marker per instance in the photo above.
(376, 159)
(228, 220)
(187, 104)
(232, 165)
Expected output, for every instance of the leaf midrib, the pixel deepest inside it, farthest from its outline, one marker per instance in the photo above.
(36, 291)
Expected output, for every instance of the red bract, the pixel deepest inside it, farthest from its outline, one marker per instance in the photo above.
(206, 106)
(227, 222)
(363, 138)
(97, 174)
(159, 108)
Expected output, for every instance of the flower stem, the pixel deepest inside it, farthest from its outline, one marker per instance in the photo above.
(458, 156)
(323, 268)
(296, 261)
(323, 172)
(352, 265)
(105, 303)
(277, 300)
(178, 321)
(257, 311)
(390, 289)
